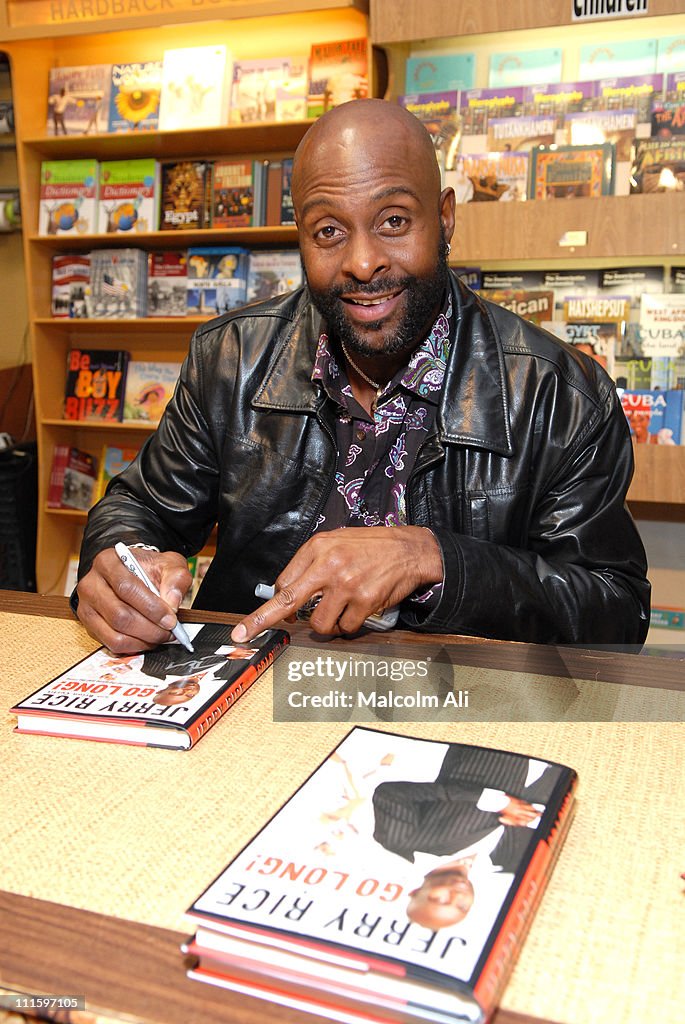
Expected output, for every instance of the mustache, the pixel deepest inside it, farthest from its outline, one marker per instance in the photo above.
(386, 284)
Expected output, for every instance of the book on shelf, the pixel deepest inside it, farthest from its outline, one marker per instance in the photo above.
(438, 113)
(272, 89)
(233, 193)
(677, 279)
(557, 99)
(287, 207)
(70, 284)
(167, 697)
(217, 279)
(618, 59)
(520, 133)
(68, 197)
(570, 172)
(78, 99)
(632, 281)
(532, 305)
(471, 276)
(72, 478)
(658, 165)
(636, 92)
(654, 416)
(674, 87)
(94, 387)
(477, 106)
(196, 88)
(338, 906)
(662, 324)
(118, 284)
(595, 127)
(128, 196)
(650, 373)
(167, 283)
(525, 67)
(668, 119)
(596, 324)
(338, 72)
(444, 72)
(185, 195)
(489, 177)
(597, 339)
(272, 174)
(149, 386)
(273, 272)
(135, 95)
(113, 460)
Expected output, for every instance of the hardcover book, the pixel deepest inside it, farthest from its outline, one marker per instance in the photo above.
(185, 195)
(149, 386)
(618, 60)
(528, 67)
(167, 283)
(72, 478)
(70, 283)
(599, 126)
(68, 197)
(118, 284)
(489, 177)
(113, 461)
(599, 339)
(273, 273)
(394, 885)
(674, 87)
(569, 172)
(662, 324)
(654, 417)
(272, 89)
(668, 119)
(94, 388)
(440, 72)
(558, 99)
(196, 88)
(135, 95)
(477, 106)
(78, 99)
(287, 208)
(534, 306)
(217, 279)
(128, 196)
(338, 72)
(233, 193)
(166, 697)
(636, 92)
(438, 113)
(520, 133)
(658, 165)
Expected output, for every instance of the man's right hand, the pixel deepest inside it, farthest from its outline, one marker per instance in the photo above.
(518, 812)
(120, 612)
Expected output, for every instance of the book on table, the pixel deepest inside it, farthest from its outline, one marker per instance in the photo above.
(167, 697)
(396, 884)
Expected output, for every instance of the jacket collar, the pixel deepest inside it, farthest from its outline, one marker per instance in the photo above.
(477, 412)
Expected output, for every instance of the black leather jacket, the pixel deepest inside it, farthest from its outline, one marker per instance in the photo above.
(523, 481)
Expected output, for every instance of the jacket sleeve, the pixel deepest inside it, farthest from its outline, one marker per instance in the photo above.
(168, 495)
(582, 575)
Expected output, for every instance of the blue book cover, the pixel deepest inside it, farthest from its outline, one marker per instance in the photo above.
(670, 54)
(440, 73)
(618, 60)
(530, 67)
(134, 96)
(654, 417)
(217, 279)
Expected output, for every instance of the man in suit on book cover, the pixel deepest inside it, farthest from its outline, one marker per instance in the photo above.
(482, 804)
(381, 437)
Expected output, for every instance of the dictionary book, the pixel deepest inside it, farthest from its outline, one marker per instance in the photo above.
(396, 884)
(167, 697)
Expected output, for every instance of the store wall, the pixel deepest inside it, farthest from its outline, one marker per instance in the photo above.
(16, 410)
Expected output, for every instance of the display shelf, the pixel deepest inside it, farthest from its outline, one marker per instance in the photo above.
(281, 235)
(96, 425)
(98, 325)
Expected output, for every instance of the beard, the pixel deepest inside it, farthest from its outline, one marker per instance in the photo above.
(424, 296)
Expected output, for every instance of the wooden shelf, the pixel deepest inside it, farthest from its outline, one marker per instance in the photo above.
(99, 425)
(102, 326)
(617, 226)
(280, 235)
(263, 138)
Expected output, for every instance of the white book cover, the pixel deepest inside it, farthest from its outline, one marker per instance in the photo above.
(195, 88)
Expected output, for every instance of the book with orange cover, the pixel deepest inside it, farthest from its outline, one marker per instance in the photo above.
(167, 697)
(333, 907)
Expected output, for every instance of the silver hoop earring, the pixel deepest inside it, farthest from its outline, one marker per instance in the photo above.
(449, 248)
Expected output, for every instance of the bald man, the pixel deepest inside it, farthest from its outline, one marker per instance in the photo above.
(380, 437)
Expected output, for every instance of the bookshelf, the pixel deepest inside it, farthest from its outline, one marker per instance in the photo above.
(621, 230)
(34, 46)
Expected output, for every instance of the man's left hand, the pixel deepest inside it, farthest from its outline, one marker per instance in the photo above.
(518, 812)
(358, 571)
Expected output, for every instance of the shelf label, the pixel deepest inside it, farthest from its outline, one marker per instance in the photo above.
(42, 13)
(573, 239)
(590, 10)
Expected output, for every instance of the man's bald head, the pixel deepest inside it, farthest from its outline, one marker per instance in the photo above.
(366, 127)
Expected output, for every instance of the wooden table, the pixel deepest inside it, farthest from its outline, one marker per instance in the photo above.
(132, 968)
